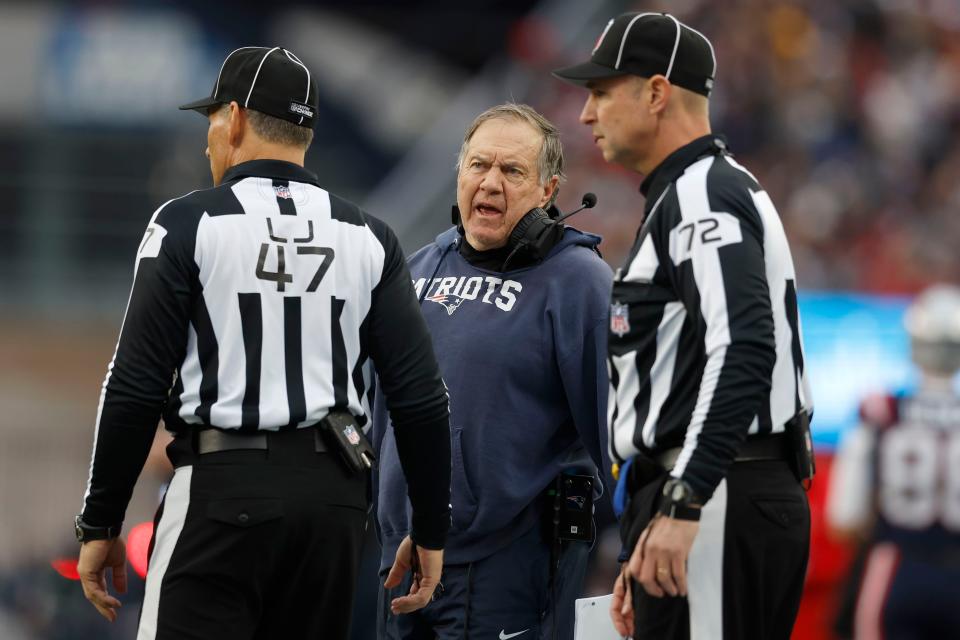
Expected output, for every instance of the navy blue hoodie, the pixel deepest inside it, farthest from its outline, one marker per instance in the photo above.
(523, 354)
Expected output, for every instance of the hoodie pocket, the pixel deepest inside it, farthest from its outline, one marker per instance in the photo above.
(463, 502)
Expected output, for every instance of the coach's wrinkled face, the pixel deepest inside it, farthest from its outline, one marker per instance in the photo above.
(499, 181)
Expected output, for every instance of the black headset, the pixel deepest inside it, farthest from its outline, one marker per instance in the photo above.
(538, 231)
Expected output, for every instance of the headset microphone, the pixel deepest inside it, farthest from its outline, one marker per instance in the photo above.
(537, 232)
(589, 202)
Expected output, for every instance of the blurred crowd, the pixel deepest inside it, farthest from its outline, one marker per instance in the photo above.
(847, 112)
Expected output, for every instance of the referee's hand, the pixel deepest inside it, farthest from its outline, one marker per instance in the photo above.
(621, 605)
(427, 566)
(95, 557)
(659, 561)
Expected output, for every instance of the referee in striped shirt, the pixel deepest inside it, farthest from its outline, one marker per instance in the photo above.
(254, 308)
(709, 410)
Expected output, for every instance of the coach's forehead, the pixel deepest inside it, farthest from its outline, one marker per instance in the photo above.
(505, 140)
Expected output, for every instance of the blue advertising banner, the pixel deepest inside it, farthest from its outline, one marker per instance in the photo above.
(855, 345)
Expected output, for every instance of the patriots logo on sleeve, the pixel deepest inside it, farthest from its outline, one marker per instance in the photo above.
(449, 301)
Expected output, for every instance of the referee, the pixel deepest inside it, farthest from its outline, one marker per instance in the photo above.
(254, 307)
(710, 408)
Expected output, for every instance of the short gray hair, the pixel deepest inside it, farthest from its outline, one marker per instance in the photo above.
(279, 131)
(550, 161)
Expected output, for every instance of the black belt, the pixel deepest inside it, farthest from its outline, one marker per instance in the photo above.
(769, 447)
(216, 440)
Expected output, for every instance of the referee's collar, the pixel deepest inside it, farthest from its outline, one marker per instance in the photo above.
(676, 163)
(278, 169)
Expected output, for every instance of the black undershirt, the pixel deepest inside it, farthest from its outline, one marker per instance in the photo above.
(493, 259)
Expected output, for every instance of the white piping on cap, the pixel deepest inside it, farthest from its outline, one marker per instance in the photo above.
(254, 83)
(216, 87)
(626, 31)
(676, 44)
(293, 58)
(602, 36)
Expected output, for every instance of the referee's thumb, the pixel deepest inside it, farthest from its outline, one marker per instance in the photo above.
(402, 563)
(396, 573)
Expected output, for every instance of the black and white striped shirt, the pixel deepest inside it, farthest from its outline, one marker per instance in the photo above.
(255, 306)
(705, 344)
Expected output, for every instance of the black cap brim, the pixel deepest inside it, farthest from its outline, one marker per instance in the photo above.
(201, 106)
(581, 74)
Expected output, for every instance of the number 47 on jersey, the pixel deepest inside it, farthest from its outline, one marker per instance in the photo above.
(281, 276)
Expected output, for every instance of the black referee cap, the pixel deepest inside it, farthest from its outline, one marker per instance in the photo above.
(645, 44)
(271, 80)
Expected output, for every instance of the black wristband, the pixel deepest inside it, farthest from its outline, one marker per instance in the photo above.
(680, 511)
(86, 532)
(678, 501)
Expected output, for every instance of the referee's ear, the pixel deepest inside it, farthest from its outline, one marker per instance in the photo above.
(237, 124)
(658, 94)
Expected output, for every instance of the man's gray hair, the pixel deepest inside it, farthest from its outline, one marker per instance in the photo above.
(550, 161)
(279, 131)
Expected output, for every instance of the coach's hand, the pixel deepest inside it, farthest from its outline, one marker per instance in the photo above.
(427, 566)
(621, 606)
(659, 561)
(95, 557)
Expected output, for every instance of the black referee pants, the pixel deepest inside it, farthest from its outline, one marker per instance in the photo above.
(255, 544)
(747, 565)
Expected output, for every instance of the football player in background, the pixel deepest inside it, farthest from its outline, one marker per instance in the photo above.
(896, 487)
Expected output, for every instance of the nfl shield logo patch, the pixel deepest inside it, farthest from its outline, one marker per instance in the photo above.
(282, 191)
(352, 436)
(619, 319)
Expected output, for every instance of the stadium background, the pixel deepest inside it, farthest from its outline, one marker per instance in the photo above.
(848, 112)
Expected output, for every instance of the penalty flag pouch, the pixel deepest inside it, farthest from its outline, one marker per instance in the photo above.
(343, 435)
(801, 456)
